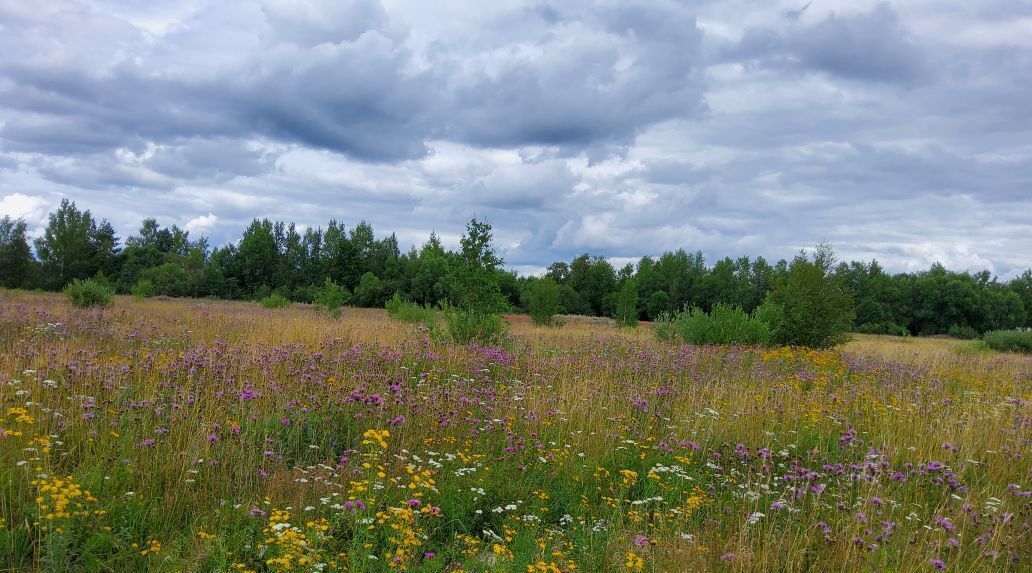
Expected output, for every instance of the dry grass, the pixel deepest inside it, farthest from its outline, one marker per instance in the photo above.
(887, 454)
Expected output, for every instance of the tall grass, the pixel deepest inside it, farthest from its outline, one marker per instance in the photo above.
(217, 436)
(408, 311)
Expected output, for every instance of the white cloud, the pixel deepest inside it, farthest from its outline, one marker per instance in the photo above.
(29, 207)
(202, 225)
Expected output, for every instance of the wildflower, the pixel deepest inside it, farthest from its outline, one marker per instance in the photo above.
(937, 563)
(634, 562)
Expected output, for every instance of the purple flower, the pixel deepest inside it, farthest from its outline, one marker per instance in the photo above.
(938, 564)
(944, 523)
(641, 540)
(212, 438)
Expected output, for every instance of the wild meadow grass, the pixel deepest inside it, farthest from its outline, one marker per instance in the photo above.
(190, 435)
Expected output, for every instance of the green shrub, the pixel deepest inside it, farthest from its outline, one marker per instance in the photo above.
(543, 302)
(407, 311)
(87, 293)
(465, 327)
(724, 325)
(331, 297)
(962, 332)
(369, 292)
(1017, 340)
(816, 311)
(275, 300)
(143, 289)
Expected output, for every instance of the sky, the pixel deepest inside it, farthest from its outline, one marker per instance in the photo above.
(897, 131)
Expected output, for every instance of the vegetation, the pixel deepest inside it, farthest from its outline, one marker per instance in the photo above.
(408, 311)
(1009, 340)
(626, 313)
(89, 293)
(476, 319)
(277, 257)
(332, 297)
(962, 332)
(275, 300)
(143, 288)
(813, 309)
(191, 435)
(543, 301)
(725, 324)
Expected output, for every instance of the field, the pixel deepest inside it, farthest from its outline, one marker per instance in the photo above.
(191, 435)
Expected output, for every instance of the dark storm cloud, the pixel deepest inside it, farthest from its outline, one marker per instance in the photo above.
(894, 130)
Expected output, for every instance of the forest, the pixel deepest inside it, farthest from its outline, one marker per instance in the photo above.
(278, 258)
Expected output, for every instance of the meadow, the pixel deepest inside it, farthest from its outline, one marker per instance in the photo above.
(194, 435)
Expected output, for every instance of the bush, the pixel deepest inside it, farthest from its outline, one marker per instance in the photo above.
(543, 303)
(275, 300)
(724, 325)
(962, 332)
(87, 293)
(143, 289)
(331, 297)
(465, 327)
(816, 310)
(1018, 340)
(407, 311)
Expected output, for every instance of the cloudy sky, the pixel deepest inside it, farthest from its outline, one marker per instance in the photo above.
(899, 130)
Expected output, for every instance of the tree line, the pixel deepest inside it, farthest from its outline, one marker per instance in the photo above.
(276, 257)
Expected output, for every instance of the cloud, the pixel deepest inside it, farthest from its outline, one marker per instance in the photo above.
(20, 206)
(201, 225)
(896, 131)
(869, 45)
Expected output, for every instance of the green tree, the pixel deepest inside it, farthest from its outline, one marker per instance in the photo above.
(815, 310)
(73, 247)
(369, 292)
(477, 277)
(1022, 286)
(257, 259)
(658, 304)
(543, 302)
(169, 279)
(626, 313)
(16, 262)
